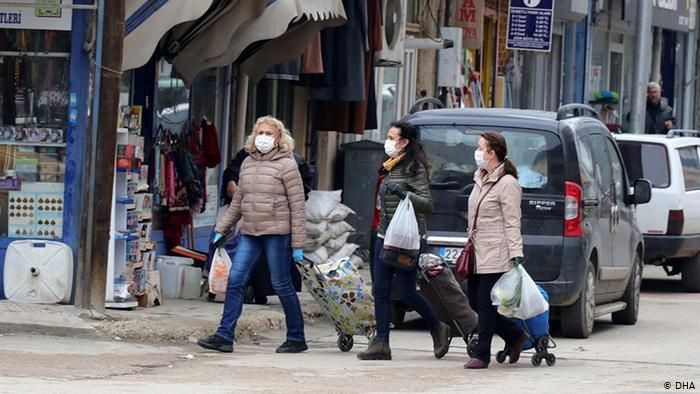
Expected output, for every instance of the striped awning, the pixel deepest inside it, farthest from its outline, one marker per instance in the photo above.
(148, 20)
(282, 30)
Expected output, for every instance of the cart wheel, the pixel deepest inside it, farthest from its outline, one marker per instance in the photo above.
(345, 342)
(551, 359)
(471, 346)
(543, 343)
(501, 356)
(536, 360)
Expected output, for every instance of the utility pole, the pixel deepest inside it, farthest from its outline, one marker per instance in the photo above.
(642, 64)
(108, 59)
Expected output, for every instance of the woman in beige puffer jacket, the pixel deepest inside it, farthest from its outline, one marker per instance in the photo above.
(495, 233)
(270, 201)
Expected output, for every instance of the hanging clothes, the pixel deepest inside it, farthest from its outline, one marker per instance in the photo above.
(312, 58)
(355, 116)
(210, 145)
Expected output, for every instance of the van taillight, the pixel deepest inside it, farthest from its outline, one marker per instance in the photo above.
(675, 222)
(572, 210)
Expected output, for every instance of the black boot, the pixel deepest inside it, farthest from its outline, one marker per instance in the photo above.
(377, 350)
(441, 340)
(215, 342)
(292, 347)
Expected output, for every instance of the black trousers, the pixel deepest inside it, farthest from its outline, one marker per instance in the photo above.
(490, 321)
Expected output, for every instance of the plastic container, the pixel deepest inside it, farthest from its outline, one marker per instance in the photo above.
(191, 283)
(39, 272)
(172, 274)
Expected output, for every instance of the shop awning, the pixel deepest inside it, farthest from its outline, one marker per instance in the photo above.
(282, 29)
(148, 20)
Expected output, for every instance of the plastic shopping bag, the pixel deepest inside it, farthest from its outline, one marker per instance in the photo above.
(218, 274)
(532, 302)
(402, 232)
(517, 295)
(506, 292)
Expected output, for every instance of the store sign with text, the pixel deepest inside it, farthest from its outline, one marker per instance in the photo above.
(469, 15)
(36, 15)
(530, 25)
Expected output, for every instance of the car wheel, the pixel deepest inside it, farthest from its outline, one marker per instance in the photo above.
(398, 314)
(577, 319)
(690, 274)
(631, 297)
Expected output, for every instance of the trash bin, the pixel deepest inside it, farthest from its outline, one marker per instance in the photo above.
(361, 161)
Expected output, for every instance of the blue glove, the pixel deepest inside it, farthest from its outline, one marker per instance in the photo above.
(298, 255)
(217, 236)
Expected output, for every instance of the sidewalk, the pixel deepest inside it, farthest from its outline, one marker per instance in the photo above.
(175, 321)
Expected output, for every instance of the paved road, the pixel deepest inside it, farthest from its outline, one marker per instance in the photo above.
(663, 347)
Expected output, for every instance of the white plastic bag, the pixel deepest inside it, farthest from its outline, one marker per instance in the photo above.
(402, 232)
(340, 212)
(336, 229)
(517, 295)
(507, 290)
(532, 303)
(218, 274)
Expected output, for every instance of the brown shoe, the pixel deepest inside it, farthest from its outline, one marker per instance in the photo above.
(475, 363)
(516, 348)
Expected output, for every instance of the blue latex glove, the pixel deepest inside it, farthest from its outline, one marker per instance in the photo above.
(298, 255)
(217, 236)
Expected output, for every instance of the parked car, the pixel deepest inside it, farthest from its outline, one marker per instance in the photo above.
(582, 242)
(671, 220)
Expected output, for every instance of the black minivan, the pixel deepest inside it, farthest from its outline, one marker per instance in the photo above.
(582, 243)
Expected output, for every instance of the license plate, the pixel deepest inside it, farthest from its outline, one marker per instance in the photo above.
(450, 254)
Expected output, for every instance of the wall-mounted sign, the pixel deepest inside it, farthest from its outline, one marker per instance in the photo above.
(469, 15)
(36, 16)
(530, 25)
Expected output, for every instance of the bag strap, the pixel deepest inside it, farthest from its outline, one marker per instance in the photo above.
(483, 196)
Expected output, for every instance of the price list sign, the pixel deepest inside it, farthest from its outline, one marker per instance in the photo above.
(530, 25)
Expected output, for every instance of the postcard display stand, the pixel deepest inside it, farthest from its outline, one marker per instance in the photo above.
(131, 252)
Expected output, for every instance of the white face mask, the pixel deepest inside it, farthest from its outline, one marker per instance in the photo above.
(264, 143)
(479, 158)
(390, 148)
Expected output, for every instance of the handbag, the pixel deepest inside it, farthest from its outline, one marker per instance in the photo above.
(466, 262)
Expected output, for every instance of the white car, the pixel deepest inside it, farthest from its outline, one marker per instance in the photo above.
(671, 220)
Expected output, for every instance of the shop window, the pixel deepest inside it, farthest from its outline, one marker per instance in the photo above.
(34, 75)
(172, 98)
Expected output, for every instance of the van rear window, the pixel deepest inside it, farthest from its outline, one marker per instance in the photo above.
(646, 160)
(536, 154)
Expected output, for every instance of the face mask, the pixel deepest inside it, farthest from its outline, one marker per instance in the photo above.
(264, 143)
(479, 158)
(390, 148)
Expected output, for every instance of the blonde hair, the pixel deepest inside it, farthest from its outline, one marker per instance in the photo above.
(286, 142)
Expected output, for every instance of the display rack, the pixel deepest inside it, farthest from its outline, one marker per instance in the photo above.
(131, 252)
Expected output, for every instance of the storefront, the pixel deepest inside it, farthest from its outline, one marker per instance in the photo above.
(673, 53)
(43, 117)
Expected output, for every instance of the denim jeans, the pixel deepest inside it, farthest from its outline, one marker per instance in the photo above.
(405, 281)
(278, 254)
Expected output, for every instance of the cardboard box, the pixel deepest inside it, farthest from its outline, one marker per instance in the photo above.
(153, 295)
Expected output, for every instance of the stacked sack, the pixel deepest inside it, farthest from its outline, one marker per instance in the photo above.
(326, 230)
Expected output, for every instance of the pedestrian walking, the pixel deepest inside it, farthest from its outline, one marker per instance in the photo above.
(494, 217)
(403, 175)
(270, 201)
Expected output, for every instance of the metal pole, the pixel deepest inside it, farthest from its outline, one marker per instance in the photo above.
(241, 109)
(656, 55)
(641, 67)
(570, 62)
(689, 79)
